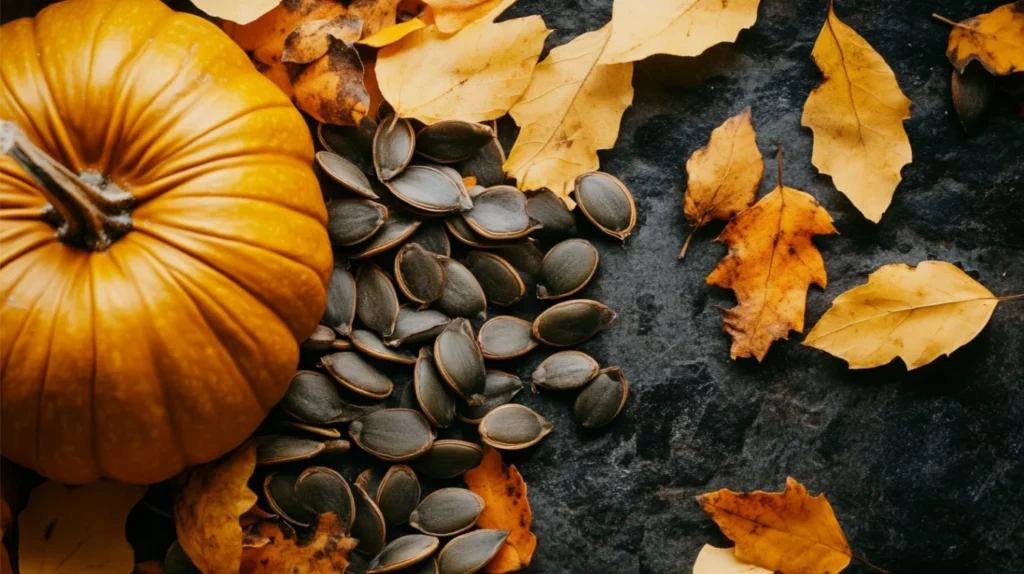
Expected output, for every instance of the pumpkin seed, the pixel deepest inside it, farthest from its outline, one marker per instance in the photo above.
(500, 281)
(460, 230)
(322, 339)
(393, 144)
(313, 399)
(398, 495)
(499, 213)
(348, 174)
(571, 322)
(460, 362)
(470, 552)
(279, 490)
(357, 561)
(399, 227)
(432, 237)
(323, 490)
(602, 399)
(525, 257)
(408, 398)
(326, 432)
(486, 165)
(549, 209)
(392, 434)
(463, 296)
(449, 141)
(606, 202)
(369, 481)
(356, 375)
(341, 301)
(340, 344)
(403, 552)
(432, 394)
(447, 512)
(419, 274)
(428, 566)
(349, 142)
(564, 371)
(368, 527)
(567, 268)
(449, 458)
(475, 191)
(417, 326)
(352, 221)
(376, 300)
(279, 449)
(370, 344)
(506, 337)
(513, 427)
(499, 389)
(456, 177)
(429, 190)
(336, 447)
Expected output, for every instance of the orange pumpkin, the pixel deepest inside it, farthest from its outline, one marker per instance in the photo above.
(162, 242)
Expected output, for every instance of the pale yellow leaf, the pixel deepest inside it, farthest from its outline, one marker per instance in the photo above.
(392, 34)
(239, 11)
(450, 16)
(713, 560)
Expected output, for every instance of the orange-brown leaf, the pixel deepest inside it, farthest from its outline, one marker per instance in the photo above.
(264, 38)
(206, 511)
(312, 38)
(506, 507)
(331, 89)
(276, 548)
(789, 531)
(995, 39)
(375, 14)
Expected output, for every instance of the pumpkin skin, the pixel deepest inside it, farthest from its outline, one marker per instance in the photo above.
(168, 348)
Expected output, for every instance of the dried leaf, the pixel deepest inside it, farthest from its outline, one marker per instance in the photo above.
(771, 263)
(788, 531)
(240, 11)
(312, 38)
(570, 110)
(206, 511)
(505, 508)
(392, 34)
(857, 117)
(282, 74)
(713, 560)
(331, 88)
(281, 549)
(995, 39)
(79, 530)
(916, 314)
(678, 27)
(722, 177)
(450, 16)
(474, 75)
(376, 15)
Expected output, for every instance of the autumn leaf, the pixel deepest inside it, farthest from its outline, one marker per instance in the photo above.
(473, 75)
(392, 34)
(713, 560)
(331, 89)
(79, 530)
(771, 263)
(788, 531)
(450, 16)
(312, 38)
(207, 508)
(995, 39)
(240, 11)
(722, 177)
(325, 549)
(677, 27)
(505, 508)
(857, 117)
(570, 110)
(376, 15)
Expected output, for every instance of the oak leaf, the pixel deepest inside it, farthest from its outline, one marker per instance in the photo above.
(276, 548)
(857, 116)
(995, 39)
(677, 27)
(713, 560)
(505, 508)
(722, 177)
(916, 314)
(570, 110)
(789, 531)
(240, 11)
(450, 16)
(771, 262)
(473, 75)
(211, 499)
(79, 530)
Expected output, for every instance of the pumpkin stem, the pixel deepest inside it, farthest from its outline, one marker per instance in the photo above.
(86, 215)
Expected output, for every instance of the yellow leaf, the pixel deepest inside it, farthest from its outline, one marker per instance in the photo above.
(857, 117)
(278, 548)
(375, 14)
(392, 34)
(473, 75)
(713, 560)
(79, 530)
(677, 27)
(722, 177)
(450, 16)
(788, 531)
(771, 263)
(505, 508)
(331, 89)
(206, 511)
(240, 11)
(570, 110)
(995, 39)
(916, 314)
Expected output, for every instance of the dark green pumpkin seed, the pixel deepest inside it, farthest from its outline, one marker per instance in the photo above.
(432, 237)
(415, 326)
(407, 400)
(549, 209)
(376, 300)
(369, 480)
(398, 495)
(607, 203)
(499, 213)
(460, 362)
(313, 399)
(564, 371)
(321, 340)
(449, 458)
(429, 190)
(567, 268)
(602, 399)
(525, 257)
(571, 322)
(403, 552)
(470, 552)
(279, 490)
(447, 512)
(506, 337)
(432, 394)
(356, 375)
(393, 434)
(463, 296)
(461, 231)
(323, 490)
(513, 427)
(341, 301)
(486, 165)
(419, 274)
(399, 227)
(352, 221)
(369, 527)
(393, 145)
(428, 566)
(349, 142)
(370, 344)
(449, 141)
(347, 173)
(290, 425)
(357, 561)
(500, 389)
(280, 449)
(500, 281)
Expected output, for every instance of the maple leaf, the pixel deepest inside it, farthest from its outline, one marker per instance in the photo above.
(240, 11)
(677, 27)
(713, 560)
(995, 40)
(857, 117)
(473, 75)
(916, 314)
(278, 548)
(570, 110)
(505, 508)
(771, 263)
(450, 16)
(722, 177)
(788, 531)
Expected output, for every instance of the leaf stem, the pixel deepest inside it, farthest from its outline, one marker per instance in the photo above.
(779, 161)
(945, 20)
(864, 561)
(1010, 297)
(686, 244)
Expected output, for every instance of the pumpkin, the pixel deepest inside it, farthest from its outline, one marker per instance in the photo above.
(163, 243)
